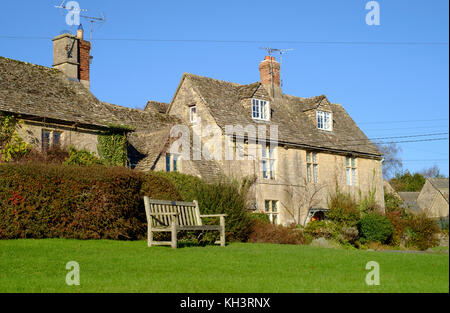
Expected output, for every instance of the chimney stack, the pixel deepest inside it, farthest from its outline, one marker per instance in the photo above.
(269, 70)
(71, 55)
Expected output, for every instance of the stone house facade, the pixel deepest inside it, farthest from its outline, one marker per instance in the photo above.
(312, 144)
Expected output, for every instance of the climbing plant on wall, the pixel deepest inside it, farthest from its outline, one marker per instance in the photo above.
(112, 145)
(12, 147)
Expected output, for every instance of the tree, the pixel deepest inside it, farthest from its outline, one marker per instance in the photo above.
(392, 162)
(407, 182)
(432, 172)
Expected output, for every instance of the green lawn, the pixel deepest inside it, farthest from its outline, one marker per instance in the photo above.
(118, 266)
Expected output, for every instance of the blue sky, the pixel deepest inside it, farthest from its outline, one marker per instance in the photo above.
(390, 90)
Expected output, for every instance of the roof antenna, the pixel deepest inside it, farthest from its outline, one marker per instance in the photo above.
(282, 51)
(91, 19)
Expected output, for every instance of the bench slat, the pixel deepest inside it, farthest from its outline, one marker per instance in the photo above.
(167, 202)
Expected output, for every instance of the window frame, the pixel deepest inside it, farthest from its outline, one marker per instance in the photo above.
(193, 116)
(172, 163)
(50, 141)
(351, 171)
(269, 210)
(262, 109)
(312, 167)
(324, 120)
(268, 162)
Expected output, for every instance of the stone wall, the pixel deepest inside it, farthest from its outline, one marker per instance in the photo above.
(31, 132)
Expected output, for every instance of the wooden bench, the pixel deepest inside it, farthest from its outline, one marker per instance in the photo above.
(175, 216)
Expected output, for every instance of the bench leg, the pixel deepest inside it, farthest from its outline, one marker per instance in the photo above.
(222, 231)
(174, 236)
(149, 237)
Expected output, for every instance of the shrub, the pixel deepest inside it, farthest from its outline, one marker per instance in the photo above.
(260, 217)
(225, 197)
(318, 229)
(421, 231)
(343, 209)
(397, 216)
(375, 227)
(61, 201)
(82, 157)
(271, 233)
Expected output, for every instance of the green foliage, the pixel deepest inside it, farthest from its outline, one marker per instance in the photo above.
(112, 147)
(62, 201)
(421, 231)
(82, 157)
(397, 216)
(375, 227)
(343, 209)
(260, 217)
(227, 197)
(368, 203)
(407, 182)
(12, 147)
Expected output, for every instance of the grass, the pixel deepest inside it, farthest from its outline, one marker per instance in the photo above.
(119, 266)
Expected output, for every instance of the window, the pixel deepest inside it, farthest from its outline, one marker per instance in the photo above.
(193, 114)
(350, 169)
(324, 120)
(50, 138)
(271, 209)
(171, 162)
(45, 140)
(268, 162)
(56, 139)
(260, 109)
(312, 167)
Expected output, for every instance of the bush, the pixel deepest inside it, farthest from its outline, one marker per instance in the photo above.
(421, 231)
(226, 197)
(343, 209)
(61, 201)
(271, 233)
(397, 216)
(319, 229)
(260, 217)
(375, 227)
(82, 157)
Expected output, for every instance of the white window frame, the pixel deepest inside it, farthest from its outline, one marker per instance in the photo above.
(193, 114)
(260, 109)
(351, 171)
(272, 210)
(268, 162)
(324, 120)
(174, 162)
(312, 167)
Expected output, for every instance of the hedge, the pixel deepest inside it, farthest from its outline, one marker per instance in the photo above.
(67, 201)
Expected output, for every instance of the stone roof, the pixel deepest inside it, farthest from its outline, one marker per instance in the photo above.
(41, 92)
(410, 200)
(225, 103)
(155, 106)
(442, 185)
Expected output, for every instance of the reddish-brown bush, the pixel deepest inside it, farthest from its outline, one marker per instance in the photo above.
(270, 233)
(48, 200)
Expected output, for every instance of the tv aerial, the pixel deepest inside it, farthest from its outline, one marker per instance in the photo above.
(281, 52)
(78, 10)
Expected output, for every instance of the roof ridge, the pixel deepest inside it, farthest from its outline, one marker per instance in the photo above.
(28, 63)
(218, 80)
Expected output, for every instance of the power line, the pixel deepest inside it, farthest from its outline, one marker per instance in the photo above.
(406, 121)
(299, 42)
(406, 128)
(403, 136)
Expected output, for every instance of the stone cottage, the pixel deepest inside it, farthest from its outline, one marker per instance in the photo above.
(317, 145)
(312, 144)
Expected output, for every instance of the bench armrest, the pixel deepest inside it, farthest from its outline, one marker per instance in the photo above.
(213, 215)
(168, 213)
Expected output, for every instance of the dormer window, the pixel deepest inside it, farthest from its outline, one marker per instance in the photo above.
(193, 114)
(324, 120)
(260, 110)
